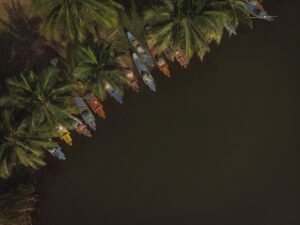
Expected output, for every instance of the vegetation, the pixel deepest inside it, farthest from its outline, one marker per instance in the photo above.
(56, 43)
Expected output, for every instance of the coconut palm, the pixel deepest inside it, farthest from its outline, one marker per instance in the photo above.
(184, 24)
(21, 145)
(42, 96)
(98, 68)
(193, 24)
(234, 12)
(72, 19)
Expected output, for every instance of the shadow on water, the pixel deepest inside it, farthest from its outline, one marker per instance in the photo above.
(217, 144)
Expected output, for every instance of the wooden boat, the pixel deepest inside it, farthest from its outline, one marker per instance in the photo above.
(64, 134)
(80, 127)
(95, 104)
(160, 61)
(141, 51)
(133, 81)
(114, 93)
(86, 113)
(57, 152)
(144, 72)
(181, 58)
(257, 10)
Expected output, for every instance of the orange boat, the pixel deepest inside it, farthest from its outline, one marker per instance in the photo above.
(160, 61)
(95, 104)
(133, 81)
(181, 58)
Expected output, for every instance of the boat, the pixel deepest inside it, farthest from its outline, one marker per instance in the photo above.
(141, 51)
(133, 81)
(95, 104)
(80, 127)
(114, 93)
(64, 134)
(160, 61)
(86, 113)
(57, 152)
(230, 29)
(257, 10)
(179, 56)
(144, 72)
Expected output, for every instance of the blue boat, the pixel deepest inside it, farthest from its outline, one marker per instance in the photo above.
(86, 113)
(114, 93)
(57, 152)
(257, 10)
(141, 51)
(144, 72)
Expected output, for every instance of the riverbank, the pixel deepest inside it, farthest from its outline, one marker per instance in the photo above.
(217, 144)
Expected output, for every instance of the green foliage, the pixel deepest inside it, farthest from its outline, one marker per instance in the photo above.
(41, 95)
(191, 25)
(16, 206)
(98, 66)
(73, 19)
(20, 145)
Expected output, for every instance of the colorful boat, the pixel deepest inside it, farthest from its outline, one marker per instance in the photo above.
(64, 134)
(144, 72)
(95, 104)
(80, 127)
(141, 51)
(133, 81)
(257, 10)
(181, 58)
(86, 113)
(160, 61)
(57, 152)
(114, 93)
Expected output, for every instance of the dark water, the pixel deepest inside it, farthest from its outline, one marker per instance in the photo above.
(218, 144)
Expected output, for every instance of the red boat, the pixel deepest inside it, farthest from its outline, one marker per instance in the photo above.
(181, 58)
(160, 61)
(80, 127)
(95, 104)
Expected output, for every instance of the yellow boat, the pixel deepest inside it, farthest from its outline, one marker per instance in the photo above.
(64, 134)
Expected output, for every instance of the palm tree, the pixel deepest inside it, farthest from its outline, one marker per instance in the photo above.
(234, 12)
(98, 68)
(73, 19)
(21, 145)
(192, 24)
(42, 96)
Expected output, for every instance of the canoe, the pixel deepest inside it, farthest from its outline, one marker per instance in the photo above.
(95, 104)
(114, 93)
(57, 152)
(160, 61)
(64, 134)
(133, 82)
(181, 58)
(141, 51)
(257, 10)
(80, 127)
(144, 72)
(86, 113)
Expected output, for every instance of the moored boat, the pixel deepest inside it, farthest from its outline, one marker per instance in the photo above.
(257, 10)
(57, 152)
(114, 93)
(141, 51)
(95, 104)
(144, 72)
(80, 127)
(86, 113)
(133, 82)
(160, 61)
(181, 58)
(64, 134)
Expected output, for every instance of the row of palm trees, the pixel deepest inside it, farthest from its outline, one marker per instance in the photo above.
(37, 102)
